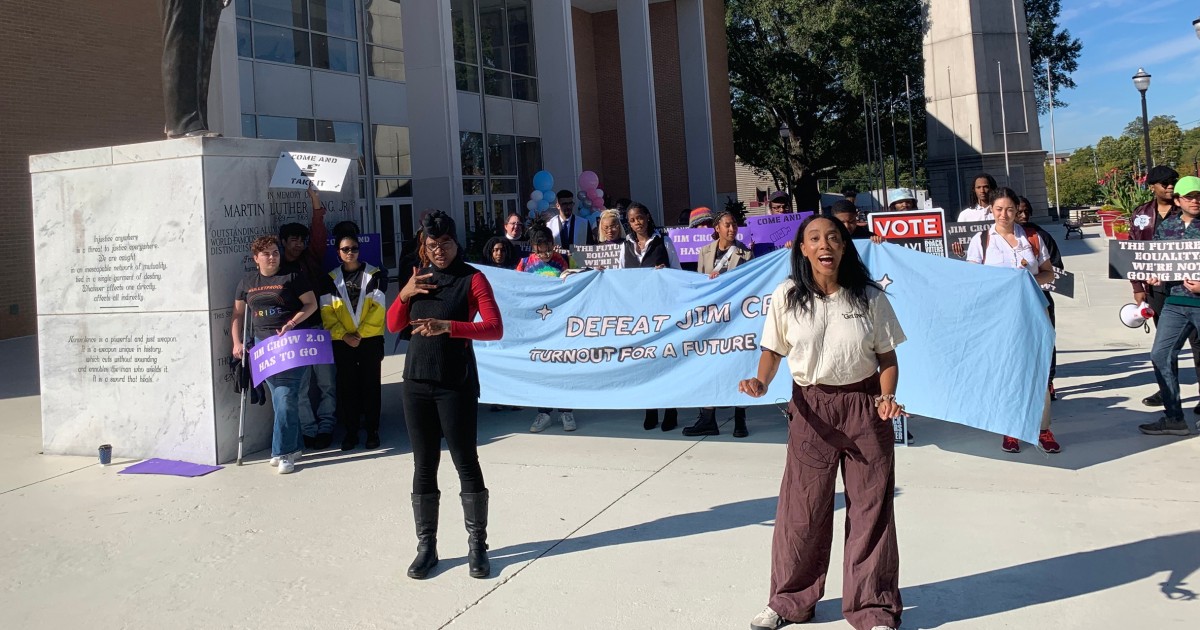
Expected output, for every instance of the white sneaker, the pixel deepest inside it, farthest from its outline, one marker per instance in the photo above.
(540, 423)
(568, 420)
(287, 463)
(768, 620)
(883, 628)
(275, 461)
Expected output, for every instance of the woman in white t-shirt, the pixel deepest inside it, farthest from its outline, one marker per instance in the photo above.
(1008, 245)
(839, 334)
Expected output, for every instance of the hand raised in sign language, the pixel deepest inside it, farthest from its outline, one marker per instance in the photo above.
(416, 285)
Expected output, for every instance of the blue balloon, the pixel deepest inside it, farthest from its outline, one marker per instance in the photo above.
(542, 205)
(543, 181)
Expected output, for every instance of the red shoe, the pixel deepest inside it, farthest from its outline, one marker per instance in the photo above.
(1047, 442)
(1010, 445)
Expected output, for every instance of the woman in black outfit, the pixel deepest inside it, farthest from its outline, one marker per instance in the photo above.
(646, 248)
(441, 385)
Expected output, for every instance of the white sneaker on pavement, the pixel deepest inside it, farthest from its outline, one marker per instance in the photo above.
(768, 620)
(883, 628)
(287, 463)
(275, 461)
(568, 420)
(540, 423)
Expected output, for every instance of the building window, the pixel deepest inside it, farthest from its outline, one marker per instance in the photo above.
(493, 45)
(282, 128)
(471, 146)
(466, 53)
(392, 157)
(332, 53)
(529, 161)
(393, 188)
(385, 36)
(344, 132)
(318, 33)
(335, 17)
(502, 156)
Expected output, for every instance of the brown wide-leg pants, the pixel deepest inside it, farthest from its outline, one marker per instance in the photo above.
(831, 425)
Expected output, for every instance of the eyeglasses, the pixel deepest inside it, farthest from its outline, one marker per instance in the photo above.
(439, 246)
(349, 250)
(566, 203)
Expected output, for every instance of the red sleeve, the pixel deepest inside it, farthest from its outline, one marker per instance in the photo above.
(397, 316)
(318, 237)
(483, 302)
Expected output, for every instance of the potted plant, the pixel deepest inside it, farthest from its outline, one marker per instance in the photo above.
(1120, 229)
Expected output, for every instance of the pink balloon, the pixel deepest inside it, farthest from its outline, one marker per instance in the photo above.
(588, 181)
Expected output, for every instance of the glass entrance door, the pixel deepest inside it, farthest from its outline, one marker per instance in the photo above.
(395, 227)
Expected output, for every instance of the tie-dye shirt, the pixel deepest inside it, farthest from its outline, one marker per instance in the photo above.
(535, 264)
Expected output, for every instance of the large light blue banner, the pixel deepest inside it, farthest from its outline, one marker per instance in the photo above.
(978, 349)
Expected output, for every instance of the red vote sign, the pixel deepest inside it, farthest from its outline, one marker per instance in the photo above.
(922, 230)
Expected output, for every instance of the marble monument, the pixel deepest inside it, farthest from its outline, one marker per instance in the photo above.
(139, 250)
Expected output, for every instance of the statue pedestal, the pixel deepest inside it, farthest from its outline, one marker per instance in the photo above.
(139, 250)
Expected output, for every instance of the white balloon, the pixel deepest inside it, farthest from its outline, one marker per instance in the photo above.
(536, 195)
(531, 205)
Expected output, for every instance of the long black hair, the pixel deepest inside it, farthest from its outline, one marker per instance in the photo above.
(991, 187)
(650, 226)
(852, 274)
(510, 253)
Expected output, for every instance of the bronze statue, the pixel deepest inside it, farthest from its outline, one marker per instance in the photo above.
(189, 33)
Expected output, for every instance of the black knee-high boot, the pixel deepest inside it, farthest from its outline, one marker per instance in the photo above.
(425, 513)
(475, 515)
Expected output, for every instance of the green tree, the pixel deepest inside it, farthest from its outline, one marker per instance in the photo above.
(808, 64)
(1049, 44)
(1166, 139)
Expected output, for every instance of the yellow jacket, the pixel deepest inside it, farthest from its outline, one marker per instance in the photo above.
(367, 318)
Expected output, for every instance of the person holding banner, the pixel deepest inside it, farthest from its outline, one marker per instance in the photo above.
(647, 248)
(441, 386)
(278, 301)
(544, 261)
(723, 254)
(609, 230)
(354, 315)
(1180, 316)
(839, 334)
(1008, 245)
(1025, 220)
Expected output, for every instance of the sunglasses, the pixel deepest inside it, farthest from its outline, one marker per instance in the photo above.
(1168, 183)
(349, 250)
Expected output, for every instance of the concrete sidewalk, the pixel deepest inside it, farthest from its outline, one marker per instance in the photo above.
(616, 527)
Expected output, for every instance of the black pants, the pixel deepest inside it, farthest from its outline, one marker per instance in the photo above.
(189, 34)
(1054, 350)
(432, 412)
(359, 389)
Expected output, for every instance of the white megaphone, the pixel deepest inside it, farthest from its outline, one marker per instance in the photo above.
(1135, 315)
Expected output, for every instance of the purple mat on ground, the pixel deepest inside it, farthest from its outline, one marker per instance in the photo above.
(168, 467)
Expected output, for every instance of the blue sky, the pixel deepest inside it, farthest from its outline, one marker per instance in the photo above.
(1118, 37)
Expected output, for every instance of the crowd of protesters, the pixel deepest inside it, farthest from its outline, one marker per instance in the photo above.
(836, 407)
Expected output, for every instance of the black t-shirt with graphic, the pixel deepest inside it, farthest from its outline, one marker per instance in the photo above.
(272, 300)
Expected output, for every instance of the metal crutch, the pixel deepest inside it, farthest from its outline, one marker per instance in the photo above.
(242, 409)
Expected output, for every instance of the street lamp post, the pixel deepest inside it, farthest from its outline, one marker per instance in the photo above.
(785, 134)
(1141, 81)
